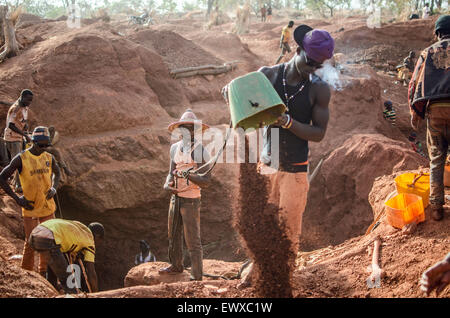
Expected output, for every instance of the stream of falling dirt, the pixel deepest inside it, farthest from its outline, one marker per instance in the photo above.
(262, 235)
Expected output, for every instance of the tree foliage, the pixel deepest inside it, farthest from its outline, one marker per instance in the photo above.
(55, 8)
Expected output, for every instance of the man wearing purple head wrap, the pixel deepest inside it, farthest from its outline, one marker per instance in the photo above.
(307, 98)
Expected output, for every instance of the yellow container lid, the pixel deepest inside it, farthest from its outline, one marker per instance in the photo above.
(414, 183)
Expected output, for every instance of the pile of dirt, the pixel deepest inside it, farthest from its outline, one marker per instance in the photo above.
(147, 274)
(16, 282)
(386, 46)
(338, 207)
(27, 19)
(176, 51)
(404, 256)
(11, 228)
(228, 47)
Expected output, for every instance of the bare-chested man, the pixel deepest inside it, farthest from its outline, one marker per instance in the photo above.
(307, 98)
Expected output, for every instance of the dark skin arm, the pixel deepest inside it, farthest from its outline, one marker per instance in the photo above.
(320, 97)
(92, 276)
(169, 185)
(56, 178)
(20, 132)
(15, 164)
(436, 277)
(201, 181)
(281, 41)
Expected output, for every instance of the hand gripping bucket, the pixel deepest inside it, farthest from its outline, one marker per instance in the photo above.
(253, 101)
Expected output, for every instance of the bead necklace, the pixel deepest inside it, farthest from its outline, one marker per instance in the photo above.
(288, 98)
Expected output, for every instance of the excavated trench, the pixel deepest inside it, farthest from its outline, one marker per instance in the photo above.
(124, 229)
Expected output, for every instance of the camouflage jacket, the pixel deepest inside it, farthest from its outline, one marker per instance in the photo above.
(431, 78)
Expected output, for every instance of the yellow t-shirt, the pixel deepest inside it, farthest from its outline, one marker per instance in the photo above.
(36, 180)
(286, 33)
(73, 237)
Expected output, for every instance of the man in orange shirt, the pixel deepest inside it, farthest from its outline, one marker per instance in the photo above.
(16, 126)
(185, 186)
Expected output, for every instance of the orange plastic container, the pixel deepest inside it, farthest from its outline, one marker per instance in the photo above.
(405, 184)
(447, 176)
(404, 208)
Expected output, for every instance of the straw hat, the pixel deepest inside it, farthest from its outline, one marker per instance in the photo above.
(188, 118)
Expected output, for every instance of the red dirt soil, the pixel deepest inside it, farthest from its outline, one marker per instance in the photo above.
(107, 90)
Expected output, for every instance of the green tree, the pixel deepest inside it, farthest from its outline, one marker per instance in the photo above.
(190, 6)
(168, 6)
(324, 6)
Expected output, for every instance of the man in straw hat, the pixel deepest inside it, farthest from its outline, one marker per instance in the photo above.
(429, 93)
(185, 184)
(306, 97)
(39, 175)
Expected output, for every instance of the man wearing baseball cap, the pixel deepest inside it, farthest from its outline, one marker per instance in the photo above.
(36, 168)
(429, 94)
(307, 98)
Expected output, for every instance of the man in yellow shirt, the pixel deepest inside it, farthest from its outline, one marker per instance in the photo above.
(54, 237)
(39, 175)
(286, 35)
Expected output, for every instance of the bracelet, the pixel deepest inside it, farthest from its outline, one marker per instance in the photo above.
(289, 123)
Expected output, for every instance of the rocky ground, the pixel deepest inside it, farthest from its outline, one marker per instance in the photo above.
(107, 89)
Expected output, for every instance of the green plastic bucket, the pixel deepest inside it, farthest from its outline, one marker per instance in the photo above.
(253, 101)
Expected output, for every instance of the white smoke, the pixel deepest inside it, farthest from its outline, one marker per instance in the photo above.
(331, 76)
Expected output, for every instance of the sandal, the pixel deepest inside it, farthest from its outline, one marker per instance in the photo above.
(170, 270)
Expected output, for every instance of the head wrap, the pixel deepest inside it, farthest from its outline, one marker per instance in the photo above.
(318, 44)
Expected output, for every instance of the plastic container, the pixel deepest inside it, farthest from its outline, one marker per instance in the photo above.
(421, 187)
(403, 209)
(253, 101)
(447, 176)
